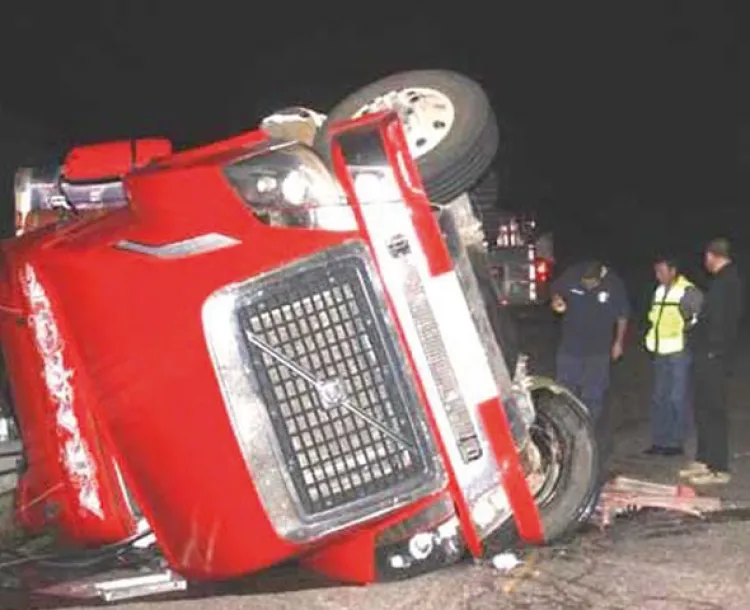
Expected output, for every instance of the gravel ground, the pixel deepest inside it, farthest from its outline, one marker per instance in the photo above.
(653, 561)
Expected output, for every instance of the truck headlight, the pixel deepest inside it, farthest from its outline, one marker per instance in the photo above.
(290, 186)
(375, 185)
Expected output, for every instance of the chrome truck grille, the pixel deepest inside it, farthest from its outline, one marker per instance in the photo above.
(340, 406)
(309, 359)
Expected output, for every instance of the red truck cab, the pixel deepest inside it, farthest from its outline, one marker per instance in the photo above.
(262, 357)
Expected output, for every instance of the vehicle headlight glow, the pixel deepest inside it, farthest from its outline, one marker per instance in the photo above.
(295, 187)
(290, 186)
(367, 185)
(375, 185)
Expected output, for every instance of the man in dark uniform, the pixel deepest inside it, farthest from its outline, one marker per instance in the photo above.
(714, 347)
(593, 302)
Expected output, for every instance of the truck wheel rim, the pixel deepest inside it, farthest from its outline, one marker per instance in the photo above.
(427, 115)
(544, 482)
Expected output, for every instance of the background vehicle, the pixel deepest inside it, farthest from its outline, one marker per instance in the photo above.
(319, 331)
(522, 260)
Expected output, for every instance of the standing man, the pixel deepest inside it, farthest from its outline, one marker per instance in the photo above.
(595, 310)
(715, 343)
(674, 311)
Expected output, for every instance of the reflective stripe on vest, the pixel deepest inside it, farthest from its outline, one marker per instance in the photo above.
(666, 334)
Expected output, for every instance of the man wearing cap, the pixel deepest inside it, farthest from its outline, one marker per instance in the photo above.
(714, 349)
(593, 302)
(674, 312)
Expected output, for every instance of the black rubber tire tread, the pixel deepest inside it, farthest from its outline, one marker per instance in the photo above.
(460, 160)
(578, 487)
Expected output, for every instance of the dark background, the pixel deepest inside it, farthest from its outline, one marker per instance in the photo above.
(627, 121)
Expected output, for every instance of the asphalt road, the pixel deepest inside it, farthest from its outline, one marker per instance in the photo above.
(653, 561)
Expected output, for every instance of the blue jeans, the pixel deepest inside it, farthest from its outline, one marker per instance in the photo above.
(587, 377)
(669, 402)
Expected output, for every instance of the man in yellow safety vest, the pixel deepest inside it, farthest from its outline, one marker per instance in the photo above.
(674, 311)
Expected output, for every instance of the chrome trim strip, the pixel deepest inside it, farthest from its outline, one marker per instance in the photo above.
(481, 476)
(201, 244)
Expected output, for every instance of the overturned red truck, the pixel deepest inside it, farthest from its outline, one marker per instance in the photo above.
(265, 349)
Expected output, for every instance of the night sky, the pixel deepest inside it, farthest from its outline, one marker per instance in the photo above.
(627, 117)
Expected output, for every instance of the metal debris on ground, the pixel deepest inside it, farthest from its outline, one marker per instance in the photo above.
(505, 562)
(623, 495)
(120, 589)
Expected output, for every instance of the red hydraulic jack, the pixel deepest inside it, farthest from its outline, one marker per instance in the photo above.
(622, 494)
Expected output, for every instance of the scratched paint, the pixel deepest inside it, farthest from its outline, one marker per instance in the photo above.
(75, 454)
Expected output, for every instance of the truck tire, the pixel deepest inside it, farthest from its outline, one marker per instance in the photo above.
(567, 495)
(566, 439)
(451, 129)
